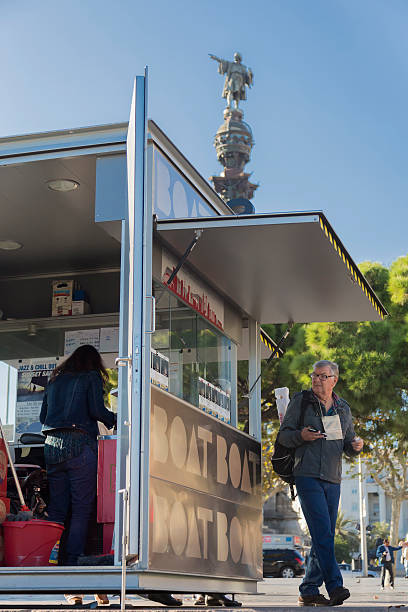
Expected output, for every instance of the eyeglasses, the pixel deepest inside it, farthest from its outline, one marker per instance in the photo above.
(313, 375)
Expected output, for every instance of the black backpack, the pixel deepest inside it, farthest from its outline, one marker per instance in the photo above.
(283, 458)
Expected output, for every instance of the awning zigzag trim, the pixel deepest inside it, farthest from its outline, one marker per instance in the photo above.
(355, 274)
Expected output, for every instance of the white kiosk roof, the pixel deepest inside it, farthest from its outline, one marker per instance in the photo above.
(277, 267)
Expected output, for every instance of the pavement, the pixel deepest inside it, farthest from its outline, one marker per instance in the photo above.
(274, 595)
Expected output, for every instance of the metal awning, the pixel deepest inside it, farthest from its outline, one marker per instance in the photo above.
(277, 267)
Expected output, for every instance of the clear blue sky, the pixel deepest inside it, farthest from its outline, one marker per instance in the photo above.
(328, 108)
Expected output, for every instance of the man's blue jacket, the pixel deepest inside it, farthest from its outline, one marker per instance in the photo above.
(381, 550)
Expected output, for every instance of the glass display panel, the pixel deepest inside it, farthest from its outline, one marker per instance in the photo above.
(190, 357)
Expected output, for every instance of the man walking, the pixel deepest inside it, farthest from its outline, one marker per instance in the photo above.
(326, 433)
(385, 555)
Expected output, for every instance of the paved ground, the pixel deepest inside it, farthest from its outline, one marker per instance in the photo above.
(365, 592)
(274, 594)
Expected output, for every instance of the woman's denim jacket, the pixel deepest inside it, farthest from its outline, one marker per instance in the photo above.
(74, 400)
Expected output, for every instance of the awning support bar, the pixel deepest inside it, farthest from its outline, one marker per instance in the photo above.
(197, 236)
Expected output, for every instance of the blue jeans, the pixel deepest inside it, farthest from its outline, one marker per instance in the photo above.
(72, 485)
(320, 501)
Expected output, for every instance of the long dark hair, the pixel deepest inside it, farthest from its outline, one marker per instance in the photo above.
(84, 359)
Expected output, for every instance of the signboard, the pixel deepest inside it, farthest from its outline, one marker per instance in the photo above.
(32, 378)
(205, 493)
(194, 292)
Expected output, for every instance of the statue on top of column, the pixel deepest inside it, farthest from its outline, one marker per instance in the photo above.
(237, 78)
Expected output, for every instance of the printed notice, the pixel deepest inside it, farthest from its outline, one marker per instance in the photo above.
(74, 339)
(109, 340)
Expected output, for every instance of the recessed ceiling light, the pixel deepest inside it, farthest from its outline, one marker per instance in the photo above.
(10, 245)
(62, 185)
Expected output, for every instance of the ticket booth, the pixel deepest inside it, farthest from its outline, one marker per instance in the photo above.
(178, 287)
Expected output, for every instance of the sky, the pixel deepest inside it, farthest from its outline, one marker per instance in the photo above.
(328, 107)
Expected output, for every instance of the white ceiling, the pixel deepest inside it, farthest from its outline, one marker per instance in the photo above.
(57, 229)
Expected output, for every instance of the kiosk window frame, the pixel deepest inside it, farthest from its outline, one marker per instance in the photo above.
(200, 355)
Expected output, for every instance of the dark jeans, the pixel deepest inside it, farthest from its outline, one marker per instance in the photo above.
(72, 485)
(320, 501)
(387, 567)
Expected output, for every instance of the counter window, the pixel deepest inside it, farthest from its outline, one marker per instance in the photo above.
(190, 357)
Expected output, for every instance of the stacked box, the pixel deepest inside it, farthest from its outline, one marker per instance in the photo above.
(80, 305)
(62, 296)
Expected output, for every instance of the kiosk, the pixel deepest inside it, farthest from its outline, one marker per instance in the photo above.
(178, 287)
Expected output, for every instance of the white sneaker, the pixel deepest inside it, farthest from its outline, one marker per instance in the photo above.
(382, 588)
(392, 588)
(74, 600)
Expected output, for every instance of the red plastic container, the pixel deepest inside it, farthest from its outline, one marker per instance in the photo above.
(29, 543)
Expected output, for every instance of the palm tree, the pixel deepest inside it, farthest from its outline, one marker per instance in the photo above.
(344, 526)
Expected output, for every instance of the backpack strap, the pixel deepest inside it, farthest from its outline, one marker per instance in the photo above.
(304, 404)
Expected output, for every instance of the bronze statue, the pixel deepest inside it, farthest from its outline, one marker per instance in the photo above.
(237, 78)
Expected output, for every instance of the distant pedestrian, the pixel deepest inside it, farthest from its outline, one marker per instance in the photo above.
(327, 433)
(404, 557)
(385, 555)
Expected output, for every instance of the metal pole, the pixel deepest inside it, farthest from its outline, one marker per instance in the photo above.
(124, 493)
(8, 395)
(363, 513)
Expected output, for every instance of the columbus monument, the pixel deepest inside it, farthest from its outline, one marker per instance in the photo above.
(233, 140)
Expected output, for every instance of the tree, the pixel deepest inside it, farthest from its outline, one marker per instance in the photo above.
(271, 483)
(346, 540)
(275, 374)
(344, 526)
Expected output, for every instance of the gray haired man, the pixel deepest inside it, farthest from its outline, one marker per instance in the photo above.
(327, 432)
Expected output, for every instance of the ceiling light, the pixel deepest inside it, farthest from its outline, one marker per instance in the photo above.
(62, 185)
(10, 245)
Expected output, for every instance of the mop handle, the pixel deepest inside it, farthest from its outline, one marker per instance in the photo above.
(13, 469)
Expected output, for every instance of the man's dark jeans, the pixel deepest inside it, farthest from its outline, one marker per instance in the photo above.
(72, 485)
(320, 501)
(387, 567)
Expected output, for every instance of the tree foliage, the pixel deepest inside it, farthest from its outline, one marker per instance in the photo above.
(373, 361)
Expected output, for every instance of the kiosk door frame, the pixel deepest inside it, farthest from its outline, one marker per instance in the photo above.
(136, 324)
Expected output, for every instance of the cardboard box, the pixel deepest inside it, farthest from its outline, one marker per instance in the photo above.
(62, 295)
(80, 307)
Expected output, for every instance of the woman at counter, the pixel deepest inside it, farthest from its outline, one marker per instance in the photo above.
(72, 406)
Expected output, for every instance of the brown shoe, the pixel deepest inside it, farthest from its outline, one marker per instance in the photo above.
(314, 601)
(338, 596)
(102, 599)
